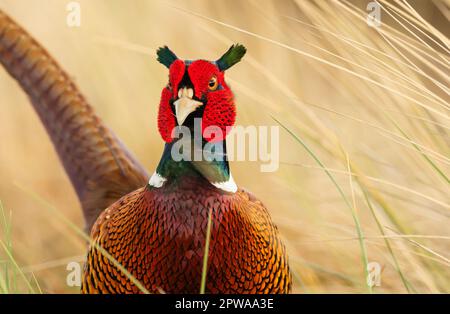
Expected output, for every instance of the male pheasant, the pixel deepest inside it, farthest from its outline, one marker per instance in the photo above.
(157, 230)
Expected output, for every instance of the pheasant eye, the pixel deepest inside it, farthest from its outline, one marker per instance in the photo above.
(169, 86)
(213, 83)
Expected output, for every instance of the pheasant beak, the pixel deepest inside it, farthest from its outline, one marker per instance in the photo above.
(185, 104)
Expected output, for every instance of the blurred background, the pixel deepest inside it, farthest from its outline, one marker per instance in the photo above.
(371, 105)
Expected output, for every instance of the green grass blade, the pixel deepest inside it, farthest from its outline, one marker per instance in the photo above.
(205, 256)
(8, 253)
(386, 240)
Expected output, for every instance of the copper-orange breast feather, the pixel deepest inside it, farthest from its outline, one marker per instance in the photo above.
(159, 236)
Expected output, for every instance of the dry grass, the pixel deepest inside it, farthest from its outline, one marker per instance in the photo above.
(371, 107)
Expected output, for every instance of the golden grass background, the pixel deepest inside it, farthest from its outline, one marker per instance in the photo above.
(372, 105)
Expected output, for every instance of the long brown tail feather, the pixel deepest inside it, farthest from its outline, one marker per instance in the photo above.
(100, 168)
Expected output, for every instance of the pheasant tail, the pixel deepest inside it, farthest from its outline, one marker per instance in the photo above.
(97, 163)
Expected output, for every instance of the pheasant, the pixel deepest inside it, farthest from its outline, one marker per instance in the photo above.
(157, 230)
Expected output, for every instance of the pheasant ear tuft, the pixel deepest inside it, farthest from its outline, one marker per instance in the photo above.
(231, 57)
(165, 56)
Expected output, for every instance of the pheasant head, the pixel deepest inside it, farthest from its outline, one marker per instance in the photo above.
(197, 89)
(196, 92)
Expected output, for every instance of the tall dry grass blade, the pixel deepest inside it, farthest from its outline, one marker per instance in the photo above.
(363, 48)
(380, 75)
(379, 180)
(390, 31)
(427, 249)
(396, 11)
(36, 282)
(404, 44)
(149, 51)
(429, 151)
(426, 24)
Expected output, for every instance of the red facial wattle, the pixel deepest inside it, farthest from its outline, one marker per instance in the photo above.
(166, 119)
(219, 112)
